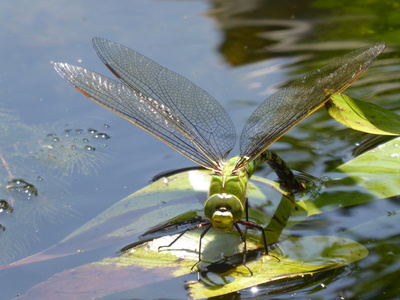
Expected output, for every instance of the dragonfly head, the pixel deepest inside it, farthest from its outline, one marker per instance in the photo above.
(223, 210)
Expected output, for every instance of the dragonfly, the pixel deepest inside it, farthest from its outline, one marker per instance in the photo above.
(185, 117)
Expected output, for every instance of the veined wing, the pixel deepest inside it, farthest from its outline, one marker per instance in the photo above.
(150, 115)
(202, 120)
(291, 104)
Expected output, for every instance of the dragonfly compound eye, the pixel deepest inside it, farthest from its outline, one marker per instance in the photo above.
(223, 210)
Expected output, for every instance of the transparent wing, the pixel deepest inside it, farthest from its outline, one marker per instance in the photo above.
(290, 105)
(202, 120)
(142, 111)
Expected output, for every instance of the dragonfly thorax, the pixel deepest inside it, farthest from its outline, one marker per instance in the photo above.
(227, 196)
(223, 210)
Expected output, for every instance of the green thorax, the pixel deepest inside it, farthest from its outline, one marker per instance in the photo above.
(229, 181)
(228, 193)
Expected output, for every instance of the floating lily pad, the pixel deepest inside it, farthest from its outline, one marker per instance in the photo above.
(146, 266)
(174, 200)
(163, 206)
(158, 204)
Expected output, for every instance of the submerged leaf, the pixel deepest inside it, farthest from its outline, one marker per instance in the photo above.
(372, 175)
(377, 170)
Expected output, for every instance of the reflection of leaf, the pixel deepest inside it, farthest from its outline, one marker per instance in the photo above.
(363, 116)
(374, 20)
(145, 266)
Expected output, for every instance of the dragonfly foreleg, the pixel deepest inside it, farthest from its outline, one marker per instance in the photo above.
(188, 229)
(201, 237)
(173, 242)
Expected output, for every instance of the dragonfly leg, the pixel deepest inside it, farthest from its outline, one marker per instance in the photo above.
(201, 237)
(254, 225)
(283, 171)
(186, 230)
(243, 237)
(173, 242)
(246, 207)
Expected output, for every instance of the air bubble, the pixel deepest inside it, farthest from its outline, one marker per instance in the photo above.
(89, 148)
(91, 130)
(102, 136)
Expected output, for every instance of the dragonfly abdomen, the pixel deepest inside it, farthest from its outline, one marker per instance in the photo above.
(279, 166)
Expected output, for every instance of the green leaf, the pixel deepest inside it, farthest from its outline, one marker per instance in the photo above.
(363, 116)
(377, 170)
(126, 220)
(303, 256)
(372, 175)
(158, 204)
(175, 199)
(146, 266)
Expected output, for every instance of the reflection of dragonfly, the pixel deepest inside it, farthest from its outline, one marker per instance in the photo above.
(189, 120)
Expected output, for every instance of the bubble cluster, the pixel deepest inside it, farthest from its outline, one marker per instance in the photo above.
(73, 150)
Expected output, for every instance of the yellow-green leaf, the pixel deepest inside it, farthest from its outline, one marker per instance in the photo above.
(363, 116)
(146, 266)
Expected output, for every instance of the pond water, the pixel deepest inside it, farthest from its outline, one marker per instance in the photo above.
(240, 52)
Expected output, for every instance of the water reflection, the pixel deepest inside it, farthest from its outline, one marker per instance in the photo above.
(296, 35)
(35, 168)
(256, 30)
